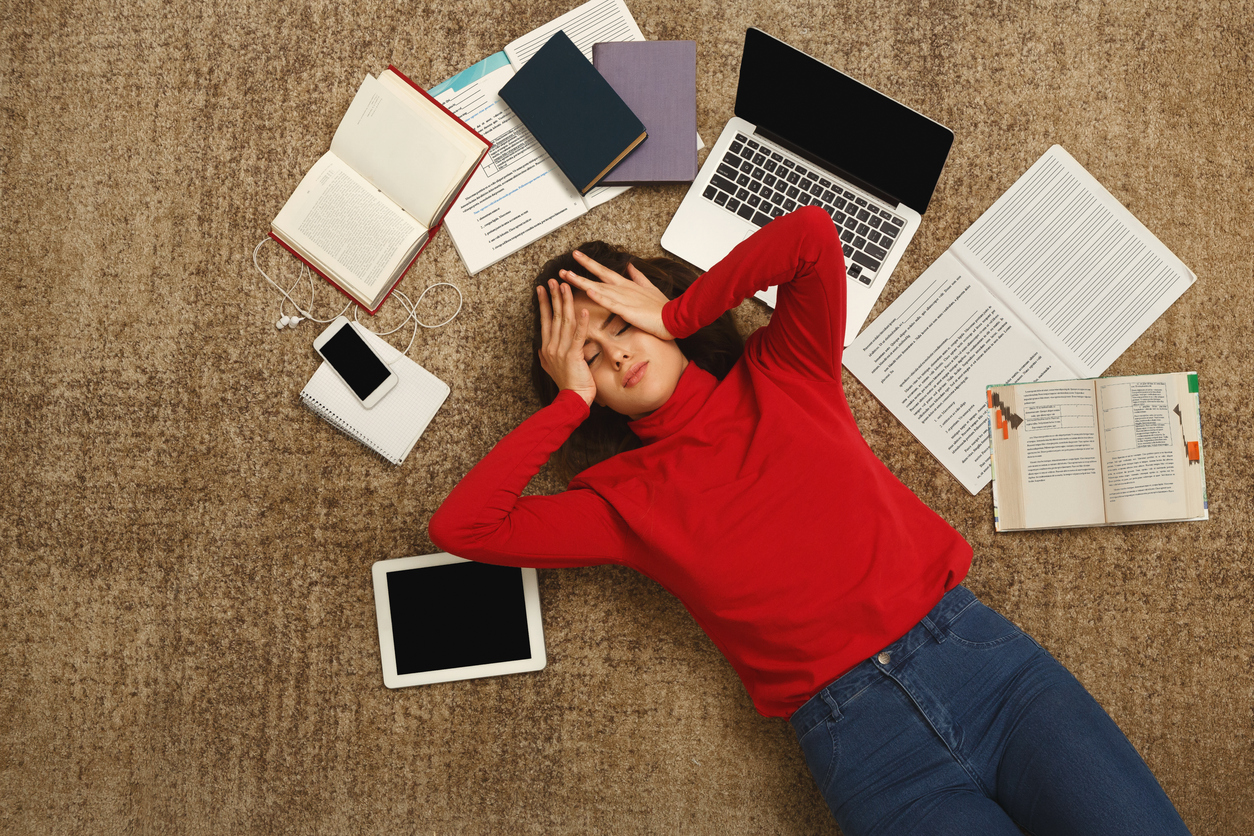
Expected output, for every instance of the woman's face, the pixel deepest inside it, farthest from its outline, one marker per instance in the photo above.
(635, 372)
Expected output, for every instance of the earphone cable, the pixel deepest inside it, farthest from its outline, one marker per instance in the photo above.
(411, 308)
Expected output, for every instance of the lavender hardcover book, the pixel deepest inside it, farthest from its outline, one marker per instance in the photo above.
(658, 81)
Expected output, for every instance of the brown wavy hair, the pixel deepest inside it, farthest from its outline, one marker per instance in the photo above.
(715, 348)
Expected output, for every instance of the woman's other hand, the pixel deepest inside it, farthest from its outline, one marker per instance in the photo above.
(562, 335)
(635, 299)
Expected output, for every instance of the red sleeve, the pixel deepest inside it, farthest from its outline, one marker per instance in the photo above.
(800, 253)
(485, 517)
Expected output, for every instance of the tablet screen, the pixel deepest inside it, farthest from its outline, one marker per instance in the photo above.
(457, 615)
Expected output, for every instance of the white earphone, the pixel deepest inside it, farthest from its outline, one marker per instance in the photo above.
(411, 308)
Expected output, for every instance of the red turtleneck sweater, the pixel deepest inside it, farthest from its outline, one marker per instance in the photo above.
(754, 499)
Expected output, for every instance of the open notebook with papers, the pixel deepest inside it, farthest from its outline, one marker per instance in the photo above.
(519, 194)
(1054, 281)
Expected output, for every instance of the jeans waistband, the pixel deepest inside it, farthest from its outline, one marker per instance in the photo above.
(931, 628)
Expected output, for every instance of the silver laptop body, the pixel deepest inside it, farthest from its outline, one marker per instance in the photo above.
(807, 134)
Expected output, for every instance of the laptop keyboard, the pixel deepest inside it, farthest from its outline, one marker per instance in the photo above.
(759, 183)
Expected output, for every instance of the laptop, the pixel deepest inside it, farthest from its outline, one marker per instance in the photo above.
(806, 134)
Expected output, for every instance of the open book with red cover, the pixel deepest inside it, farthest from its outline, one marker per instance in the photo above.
(368, 207)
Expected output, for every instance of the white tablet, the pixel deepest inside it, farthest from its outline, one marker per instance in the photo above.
(443, 618)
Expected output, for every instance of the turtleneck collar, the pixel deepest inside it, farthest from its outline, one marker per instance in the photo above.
(693, 390)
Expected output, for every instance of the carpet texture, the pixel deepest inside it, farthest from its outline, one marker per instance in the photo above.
(187, 636)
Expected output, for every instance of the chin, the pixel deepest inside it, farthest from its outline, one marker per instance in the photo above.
(654, 396)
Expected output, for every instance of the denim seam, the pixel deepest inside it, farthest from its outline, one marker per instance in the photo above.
(958, 759)
(979, 645)
(951, 619)
(935, 629)
(859, 693)
(949, 629)
(826, 725)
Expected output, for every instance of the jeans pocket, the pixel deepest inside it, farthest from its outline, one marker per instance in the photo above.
(979, 626)
(821, 752)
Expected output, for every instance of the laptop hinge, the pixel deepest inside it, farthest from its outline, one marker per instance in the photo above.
(834, 169)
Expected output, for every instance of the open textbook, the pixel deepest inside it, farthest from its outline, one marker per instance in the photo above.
(366, 209)
(519, 195)
(1054, 281)
(1109, 451)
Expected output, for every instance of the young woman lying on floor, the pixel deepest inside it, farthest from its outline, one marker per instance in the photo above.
(737, 479)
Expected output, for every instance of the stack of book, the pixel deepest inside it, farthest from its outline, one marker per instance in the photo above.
(612, 110)
(630, 92)
(547, 108)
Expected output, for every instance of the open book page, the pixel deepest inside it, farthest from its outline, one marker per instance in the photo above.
(930, 355)
(1046, 455)
(401, 153)
(347, 229)
(518, 194)
(1075, 266)
(1144, 450)
(440, 121)
(597, 21)
(457, 135)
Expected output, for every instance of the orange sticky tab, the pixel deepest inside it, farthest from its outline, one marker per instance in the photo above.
(1195, 452)
(990, 397)
(1005, 432)
(999, 421)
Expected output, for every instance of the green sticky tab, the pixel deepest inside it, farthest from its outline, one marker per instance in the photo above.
(1192, 383)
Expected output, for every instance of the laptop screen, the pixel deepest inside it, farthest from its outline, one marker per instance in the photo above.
(857, 131)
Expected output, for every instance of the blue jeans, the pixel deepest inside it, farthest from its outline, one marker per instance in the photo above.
(965, 725)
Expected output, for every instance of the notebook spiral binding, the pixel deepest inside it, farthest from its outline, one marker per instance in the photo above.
(319, 409)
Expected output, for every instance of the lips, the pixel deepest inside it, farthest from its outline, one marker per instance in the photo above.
(634, 374)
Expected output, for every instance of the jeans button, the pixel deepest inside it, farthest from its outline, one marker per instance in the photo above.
(885, 657)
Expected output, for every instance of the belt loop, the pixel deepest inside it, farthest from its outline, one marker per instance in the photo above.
(937, 632)
(831, 703)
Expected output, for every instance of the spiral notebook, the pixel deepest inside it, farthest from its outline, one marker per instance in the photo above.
(392, 426)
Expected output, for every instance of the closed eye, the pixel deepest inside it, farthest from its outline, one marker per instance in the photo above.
(618, 333)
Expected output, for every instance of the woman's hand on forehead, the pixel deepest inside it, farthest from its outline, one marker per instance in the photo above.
(635, 299)
(563, 330)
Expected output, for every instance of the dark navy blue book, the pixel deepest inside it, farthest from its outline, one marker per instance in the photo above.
(573, 112)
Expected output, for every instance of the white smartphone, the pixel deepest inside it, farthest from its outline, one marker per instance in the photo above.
(348, 355)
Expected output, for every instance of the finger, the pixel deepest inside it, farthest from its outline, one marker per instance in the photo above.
(598, 292)
(568, 319)
(638, 277)
(581, 333)
(594, 289)
(575, 279)
(546, 314)
(561, 316)
(599, 270)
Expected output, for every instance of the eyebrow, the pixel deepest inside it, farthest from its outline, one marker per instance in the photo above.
(603, 326)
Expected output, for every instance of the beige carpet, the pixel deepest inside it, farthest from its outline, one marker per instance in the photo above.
(187, 637)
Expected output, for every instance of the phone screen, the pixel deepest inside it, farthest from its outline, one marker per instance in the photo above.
(355, 362)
